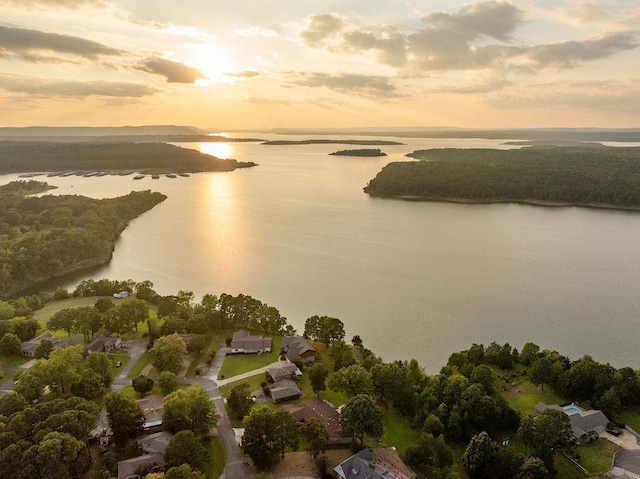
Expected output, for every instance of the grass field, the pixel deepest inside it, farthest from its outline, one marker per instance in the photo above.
(243, 363)
(631, 417)
(115, 357)
(253, 382)
(524, 397)
(216, 461)
(215, 340)
(398, 431)
(144, 360)
(596, 457)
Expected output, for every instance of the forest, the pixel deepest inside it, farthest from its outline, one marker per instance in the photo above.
(361, 152)
(46, 236)
(590, 176)
(18, 157)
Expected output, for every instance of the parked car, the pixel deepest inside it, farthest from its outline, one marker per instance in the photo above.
(614, 431)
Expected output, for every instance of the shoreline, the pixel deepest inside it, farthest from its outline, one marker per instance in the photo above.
(530, 202)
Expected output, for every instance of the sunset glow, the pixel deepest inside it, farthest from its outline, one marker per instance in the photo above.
(491, 63)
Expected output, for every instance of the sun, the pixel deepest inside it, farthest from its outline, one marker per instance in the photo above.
(212, 59)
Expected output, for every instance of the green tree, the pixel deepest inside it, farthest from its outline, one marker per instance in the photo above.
(10, 345)
(100, 363)
(142, 384)
(88, 321)
(125, 417)
(44, 349)
(186, 448)
(361, 416)
(181, 472)
(483, 375)
(240, 401)
(480, 457)
(168, 352)
(533, 468)
(11, 403)
(357, 341)
(104, 304)
(353, 381)
(548, 432)
(57, 456)
(190, 409)
(167, 382)
(541, 372)
(315, 433)
(529, 353)
(133, 311)
(317, 376)
(324, 328)
(267, 433)
(63, 320)
(429, 453)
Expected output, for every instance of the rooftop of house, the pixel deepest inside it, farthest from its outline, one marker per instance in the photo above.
(379, 463)
(128, 467)
(319, 409)
(284, 389)
(152, 406)
(295, 346)
(278, 372)
(155, 443)
(583, 421)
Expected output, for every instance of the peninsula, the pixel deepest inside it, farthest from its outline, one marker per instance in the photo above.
(368, 152)
(51, 236)
(591, 176)
(22, 157)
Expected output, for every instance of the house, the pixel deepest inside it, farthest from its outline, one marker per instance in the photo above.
(152, 408)
(583, 422)
(103, 343)
(379, 463)
(121, 295)
(295, 347)
(155, 443)
(284, 389)
(127, 468)
(244, 343)
(29, 347)
(284, 372)
(323, 411)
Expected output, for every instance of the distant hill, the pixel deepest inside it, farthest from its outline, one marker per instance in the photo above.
(43, 131)
(548, 134)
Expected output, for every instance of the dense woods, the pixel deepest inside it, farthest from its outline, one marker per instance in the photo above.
(54, 156)
(46, 236)
(362, 152)
(570, 175)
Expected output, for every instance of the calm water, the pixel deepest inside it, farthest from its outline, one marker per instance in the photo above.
(414, 280)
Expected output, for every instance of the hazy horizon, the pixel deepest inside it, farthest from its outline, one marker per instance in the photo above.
(482, 64)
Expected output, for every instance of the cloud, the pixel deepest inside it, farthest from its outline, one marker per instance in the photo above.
(390, 49)
(568, 54)
(255, 32)
(174, 72)
(473, 87)
(363, 85)
(73, 88)
(70, 4)
(38, 46)
(320, 28)
(243, 74)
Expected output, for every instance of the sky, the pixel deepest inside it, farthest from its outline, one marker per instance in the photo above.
(252, 64)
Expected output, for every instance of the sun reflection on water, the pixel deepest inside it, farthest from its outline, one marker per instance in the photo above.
(220, 150)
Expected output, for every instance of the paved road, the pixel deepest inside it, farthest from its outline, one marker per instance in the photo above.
(236, 467)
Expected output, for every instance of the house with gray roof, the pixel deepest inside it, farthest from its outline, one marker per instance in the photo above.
(380, 463)
(29, 347)
(155, 443)
(245, 343)
(284, 389)
(583, 421)
(284, 372)
(103, 343)
(295, 347)
(127, 468)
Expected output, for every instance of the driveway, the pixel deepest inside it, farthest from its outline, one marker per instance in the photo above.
(136, 349)
(626, 440)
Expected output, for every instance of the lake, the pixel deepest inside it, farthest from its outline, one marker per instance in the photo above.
(413, 279)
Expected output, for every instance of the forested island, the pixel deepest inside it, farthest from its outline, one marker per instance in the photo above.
(367, 152)
(42, 237)
(19, 157)
(591, 176)
(331, 142)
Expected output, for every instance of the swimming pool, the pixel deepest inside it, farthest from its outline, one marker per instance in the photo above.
(571, 410)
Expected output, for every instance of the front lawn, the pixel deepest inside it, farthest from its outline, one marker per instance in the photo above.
(215, 340)
(252, 381)
(524, 397)
(144, 360)
(244, 363)
(335, 398)
(115, 357)
(596, 457)
(631, 417)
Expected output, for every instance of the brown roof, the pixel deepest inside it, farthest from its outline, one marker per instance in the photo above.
(319, 409)
(151, 406)
(296, 346)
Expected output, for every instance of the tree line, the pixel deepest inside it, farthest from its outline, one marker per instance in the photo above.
(41, 237)
(101, 156)
(574, 175)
